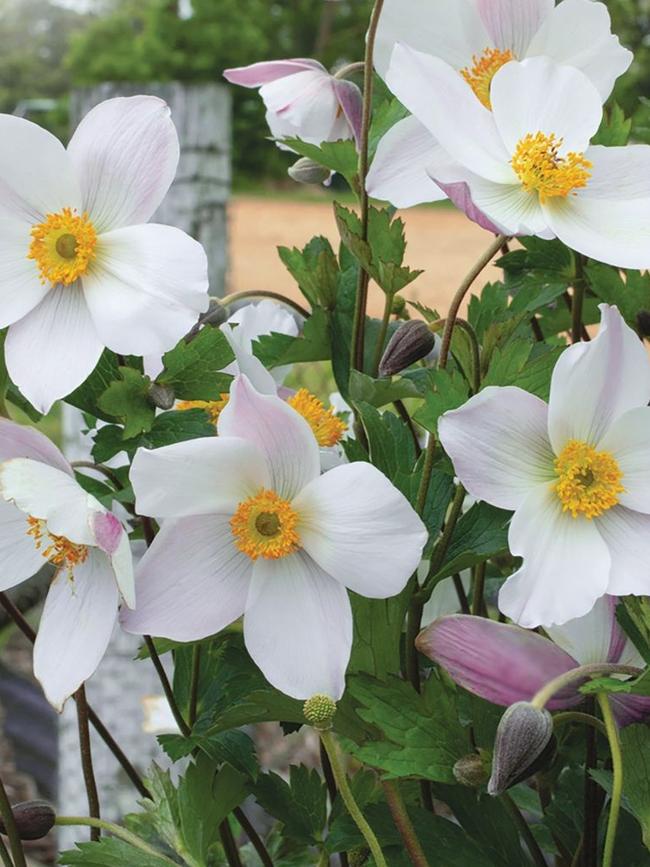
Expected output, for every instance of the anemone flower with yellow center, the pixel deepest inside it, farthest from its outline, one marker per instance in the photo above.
(251, 527)
(47, 517)
(82, 269)
(576, 473)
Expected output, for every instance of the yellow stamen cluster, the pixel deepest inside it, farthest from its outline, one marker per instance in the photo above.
(265, 526)
(484, 67)
(328, 428)
(57, 549)
(63, 246)
(212, 407)
(541, 169)
(589, 482)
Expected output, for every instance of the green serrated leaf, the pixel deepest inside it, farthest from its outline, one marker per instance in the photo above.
(379, 392)
(110, 852)
(275, 350)
(614, 130)
(86, 397)
(194, 369)
(299, 804)
(168, 427)
(451, 391)
(482, 532)
(315, 269)
(127, 400)
(337, 156)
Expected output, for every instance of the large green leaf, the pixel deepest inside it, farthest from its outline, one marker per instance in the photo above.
(482, 532)
(194, 368)
(110, 852)
(300, 804)
(127, 399)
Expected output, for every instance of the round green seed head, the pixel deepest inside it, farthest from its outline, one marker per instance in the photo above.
(319, 710)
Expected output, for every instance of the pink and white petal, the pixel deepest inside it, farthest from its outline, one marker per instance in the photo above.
(579, 33)
(54, 348)
(45, 492)
(398, 173)
(192, 582)
(245, 362)
(459, 193)
(588, 639)
(512, 24)
(456, 119)
(278, 431)
(595, 383)
(538, 95)
(351, 102)
(499, 446)
(496, 661)
(618, 173)
(19, 555)
(630, 709)
(444, 599)
(627, 536)
(21, 288)
(306, 100)
(36, 174)
(147, 288)
(449, 29)
(361, 530)
(197, 477)
(113, 539)
(18, 441)
(75, 628)
(628, 439)
(508, 207)
(566, 563)
(125, 153)
(257, 74)
(298, 627)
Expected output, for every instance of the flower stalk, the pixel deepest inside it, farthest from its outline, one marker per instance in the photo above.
(87, 759)
(617, 788)
(582, 672)
(15, 843)
(403, 823)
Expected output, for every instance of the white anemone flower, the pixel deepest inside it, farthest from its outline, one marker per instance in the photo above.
(476, 38)
(528, 164)
(251, 527)
(576, 473)
(81, 268)
(47, 517)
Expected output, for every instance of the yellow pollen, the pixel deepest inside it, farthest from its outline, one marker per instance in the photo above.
(265, 526)
(63, 246)
(212, 407)
(57, 549)
(541, 169)
(589, 482)
(485, 66)
(328, 428)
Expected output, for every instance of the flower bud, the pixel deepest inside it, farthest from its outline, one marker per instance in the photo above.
(319, 711)
(161, 396)
(412, 341)
(398, 307)
(523, 743)
(34, 819)
(306, 171)
(643, 323)
(471, 771)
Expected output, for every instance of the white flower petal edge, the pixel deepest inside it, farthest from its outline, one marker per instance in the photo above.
(18, 554)
(627, 535)
(588, 639)
(18, 441)
(512, 24)
(629, 439)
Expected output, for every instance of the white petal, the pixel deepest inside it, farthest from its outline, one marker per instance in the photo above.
(578, 33)
(125, 153)
(444, 599)
(499, 446)
(113, 539)
(566, 563)
(627, 534)
(588, 639)
(446, 105)
(303, 105)
(197, 477)
(19, 555)
(36, 175)
(508, 206)
(595, 383)
(45, 492)
(20, 285)
(147, 289)
(279, 432)
(618, 173)
(75, 628)
(628, 439)
(449, 29)
(513, 23)
(538, 95)
(361, 530)
(54, 348)
(192, 582)
(298, 627)
(398, 173)
(18, 441)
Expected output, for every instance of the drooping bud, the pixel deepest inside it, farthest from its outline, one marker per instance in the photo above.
(471, 770)
(34, 819)
(306, 171)
(412, 341)
(161, 396)
(643, 323)
(319, 711)
(523, 743)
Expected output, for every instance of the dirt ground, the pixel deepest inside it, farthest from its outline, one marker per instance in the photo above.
(440, 240)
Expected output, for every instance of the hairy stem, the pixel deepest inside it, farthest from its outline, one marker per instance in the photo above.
(571, 716)
(229, 844)
(479, 589)
(87, 759)
(166, 685)
(275, 296)
(403, 823)
(15, 843)
(253, 836)
(617, 787)
(194, 684)
(350, 69)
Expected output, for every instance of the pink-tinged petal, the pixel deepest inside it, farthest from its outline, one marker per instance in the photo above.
(19, 555)
(21, 288)
(54, 348)
(304, 105)
(630, 709)
(628, 439)
(18, 441)
(627, 535)
(398, 173)
(278, 431)
(36, 174)
(513, 23)
(589, 639)
(361, 530)
(197, 477)
(108, 531)
(498, 444)
(459, 193)
(298, 627)
(351, 102)
(76, 626)
(112, 538)
(566, 563)
(621, 648)
(125, 153)
(578, 33)
(148, 289)
(192, 582)
(498, 662)
(258, 74)
(595, 383)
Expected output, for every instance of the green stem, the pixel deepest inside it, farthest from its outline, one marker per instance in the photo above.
(408, 421)
(275, 296)
(167, 687)
(569, 716)
(87, 758)
(345, 792)
(194, 684)
(617, 787)
(578, 300)
(4, 855)
(229, 844)
(100, 468)
(524, 829)
(381, 339)
(253, 836)
(582, 672)
(15, 843)
(324, 859)
(464, 325)
(479, 589)
(116, 831)
(350, 69)
(403, 823)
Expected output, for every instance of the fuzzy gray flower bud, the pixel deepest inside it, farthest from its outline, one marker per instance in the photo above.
(471, 771)
(411, 342)
(306, 171)
(34, 819)
(523, 743)
(161, 396)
